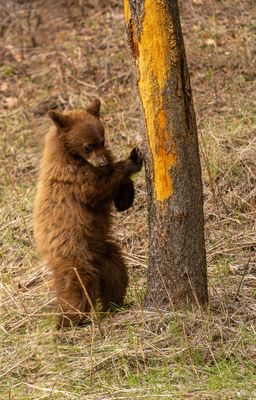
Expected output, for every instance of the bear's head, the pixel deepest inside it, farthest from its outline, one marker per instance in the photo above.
(82, 134)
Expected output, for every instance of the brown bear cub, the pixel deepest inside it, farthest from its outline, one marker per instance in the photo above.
(77, 185)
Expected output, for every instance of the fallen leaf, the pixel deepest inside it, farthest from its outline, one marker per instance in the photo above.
(210, 42)
(198, 2)
(11, 102)
(3, 87)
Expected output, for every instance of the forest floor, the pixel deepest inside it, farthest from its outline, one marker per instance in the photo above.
(60, 54)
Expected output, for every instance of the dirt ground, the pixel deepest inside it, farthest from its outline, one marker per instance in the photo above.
(59, 55)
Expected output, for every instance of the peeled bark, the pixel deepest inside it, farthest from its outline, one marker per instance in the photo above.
(177, 263)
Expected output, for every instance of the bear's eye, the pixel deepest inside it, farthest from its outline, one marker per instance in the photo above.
(88, 149)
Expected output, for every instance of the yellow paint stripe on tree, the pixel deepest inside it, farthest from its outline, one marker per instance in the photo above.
(157, 48)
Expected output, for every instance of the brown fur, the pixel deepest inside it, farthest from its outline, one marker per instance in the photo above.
(72, 221)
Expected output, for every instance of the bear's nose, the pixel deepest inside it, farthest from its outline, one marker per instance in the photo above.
(102, 161)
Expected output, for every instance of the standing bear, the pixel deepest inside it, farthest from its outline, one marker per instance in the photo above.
(78, 183)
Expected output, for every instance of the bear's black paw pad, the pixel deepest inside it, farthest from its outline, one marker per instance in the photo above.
(136, 156)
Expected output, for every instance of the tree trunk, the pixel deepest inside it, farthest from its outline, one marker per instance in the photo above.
(177, 264)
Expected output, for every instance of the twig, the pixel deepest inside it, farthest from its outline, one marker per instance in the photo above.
(246, 268)
(97, 319)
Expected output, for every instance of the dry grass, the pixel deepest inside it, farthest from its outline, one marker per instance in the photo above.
(61, 54)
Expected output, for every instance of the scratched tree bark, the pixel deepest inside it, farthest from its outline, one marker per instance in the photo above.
(177, 265)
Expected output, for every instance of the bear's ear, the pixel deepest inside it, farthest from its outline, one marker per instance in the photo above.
(62, 121)
(94, 108)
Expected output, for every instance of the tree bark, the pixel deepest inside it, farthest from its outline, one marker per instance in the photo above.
(177, 264)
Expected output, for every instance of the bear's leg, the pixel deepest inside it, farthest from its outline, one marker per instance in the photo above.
(113, 277)
(124, 197)
(77, 290)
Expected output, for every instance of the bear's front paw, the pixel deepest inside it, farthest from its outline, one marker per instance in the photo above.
(137, 157)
